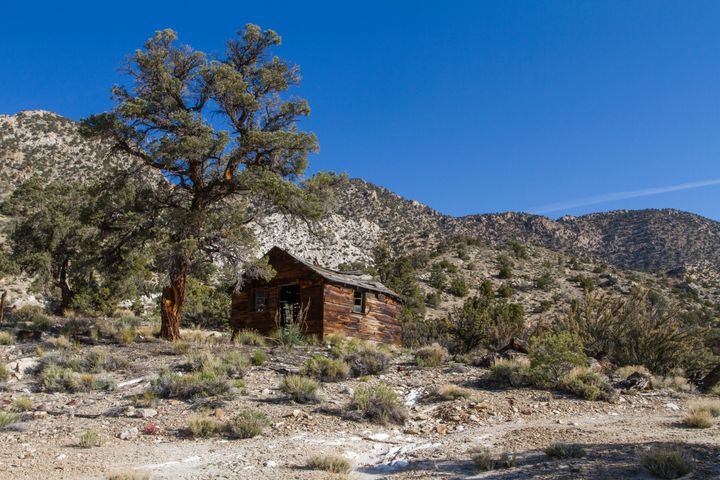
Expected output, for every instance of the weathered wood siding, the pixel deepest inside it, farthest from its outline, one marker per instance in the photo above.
(380, 322)
(288, 272)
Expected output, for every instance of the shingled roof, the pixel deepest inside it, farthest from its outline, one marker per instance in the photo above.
(353, 279)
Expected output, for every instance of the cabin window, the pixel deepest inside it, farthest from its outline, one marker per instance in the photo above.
(260, 300)
(358, 301)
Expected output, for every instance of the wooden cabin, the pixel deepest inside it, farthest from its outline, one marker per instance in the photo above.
(322, 300)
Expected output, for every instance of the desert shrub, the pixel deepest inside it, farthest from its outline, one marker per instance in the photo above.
(59, 379)
(258, 358)
(125, 335)
(433, 299)
(247, 424)
(290, 336)
(545, 281)
(250, 337)
(203, 427)
(29, 314)
(483, 321)
(587, 384)
(450, 391)
(667, 463)
(99, 360)
(368, 361)
(7, 418)
(181, 347)
(677, 383)
(6, 338)
(698, 419)
(564, 450)
(129, 475)
(508, 372)
(329, 463)
(89, 439)
(555, 354)
(485, 460)
(301, 389)
(431, 356)
(626, 371)
(198, 384)
(379, 404)
(326, 369)
(504, 291)
(438, 278)
(22, 404)
(714, 391)
(4, 373)
(711, 406)
(459, 287)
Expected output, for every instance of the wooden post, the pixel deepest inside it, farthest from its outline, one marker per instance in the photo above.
(2, 306)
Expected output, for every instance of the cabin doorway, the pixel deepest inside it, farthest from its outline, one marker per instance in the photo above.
(289, 304)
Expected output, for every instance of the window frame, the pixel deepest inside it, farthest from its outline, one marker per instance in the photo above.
(264, 294)
(361, 307)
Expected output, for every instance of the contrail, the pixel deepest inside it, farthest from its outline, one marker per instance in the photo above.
(609, 197)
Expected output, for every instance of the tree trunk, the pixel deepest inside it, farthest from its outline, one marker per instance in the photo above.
(2, 306)
(173, 300)
(710, 380)
(66, 295)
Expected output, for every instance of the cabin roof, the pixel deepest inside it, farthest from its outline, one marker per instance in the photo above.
(354, 279)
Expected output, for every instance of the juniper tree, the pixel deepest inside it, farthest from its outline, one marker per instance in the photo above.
(224, 131)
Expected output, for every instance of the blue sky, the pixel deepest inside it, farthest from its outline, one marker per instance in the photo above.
(563, 107)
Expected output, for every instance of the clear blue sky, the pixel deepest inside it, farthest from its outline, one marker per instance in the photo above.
(469, 107)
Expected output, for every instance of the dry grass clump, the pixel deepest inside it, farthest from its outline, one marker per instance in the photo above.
(129, 475)
(4, 373)
(714, 391)
(485, 460)
(667, 463)
(7, 418)
(59, 379)
(61, 342)
(198, 384)
(301, 389)
(367, 361)
(626, 371)
(508, 372)
(181, 347)
(710, 405)
(326, 369)
(564, 450)
(379, 404)
(250, 337)
(89, 439)
(431, 356)
(450, 391)
(6, 338)
(677, 383)
(699, 419)
(330, 463)
(247, 424)
(203, 427)
(22, 404)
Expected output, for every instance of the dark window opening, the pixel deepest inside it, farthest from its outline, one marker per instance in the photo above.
(289, 305)
(358, 301)
(261, 298)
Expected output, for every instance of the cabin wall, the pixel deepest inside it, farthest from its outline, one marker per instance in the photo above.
(380, 322)
(288, 272)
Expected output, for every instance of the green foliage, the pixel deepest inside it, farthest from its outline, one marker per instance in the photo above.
(367, 361)
(326, 369)
(379, 404)
(198, 384)
(6, 338)
(518, 250)
(22, 404)
(587, 384)
(556, 354)
(459, 287)
(258, 358)
(301, 389)
(7, 418)
(504, 291)
(433, 299)
(668, 463)
(206, 306)
(484, 322)
(438, 279)
(450, 391)
(250, 337)
(505, 266)
(204, 427)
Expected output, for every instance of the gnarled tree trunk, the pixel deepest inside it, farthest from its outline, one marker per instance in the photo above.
(173, 300)
(2, 306)
(66, 294)
(711, 379)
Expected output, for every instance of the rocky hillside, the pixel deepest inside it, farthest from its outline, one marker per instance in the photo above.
(43, 143)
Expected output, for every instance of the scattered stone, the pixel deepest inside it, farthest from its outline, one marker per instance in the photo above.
(129, 434)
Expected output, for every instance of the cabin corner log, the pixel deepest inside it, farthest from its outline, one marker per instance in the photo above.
(329, 298)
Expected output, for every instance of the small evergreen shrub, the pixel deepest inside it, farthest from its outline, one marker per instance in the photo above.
(22, 404)
(587, 384)
(258, 358)
(6, 338)
(7, 418)
(326, 369)
(203, 427)
(450, 391)
(199, 384)
(4, 373)
(508, 372)
(459, 287)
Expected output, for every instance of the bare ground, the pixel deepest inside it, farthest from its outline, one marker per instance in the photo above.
(436, 442)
